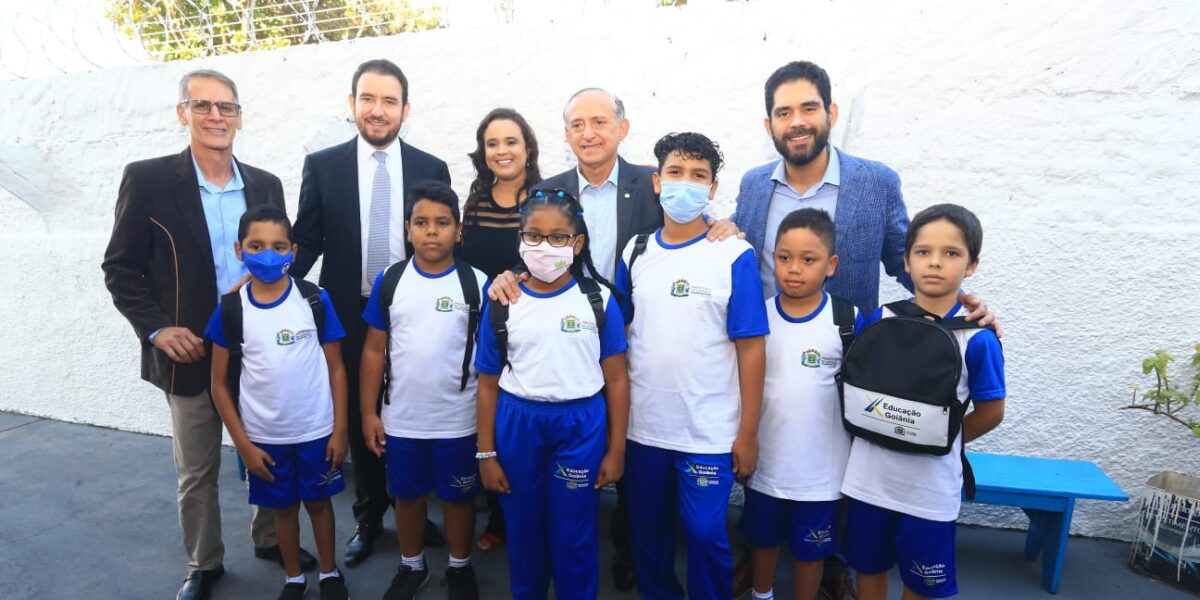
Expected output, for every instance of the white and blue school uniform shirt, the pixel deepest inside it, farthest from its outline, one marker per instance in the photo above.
(552, 345)
(285, 395)
(923, 485)
(803, 446)
(426, 342)
(690, 302)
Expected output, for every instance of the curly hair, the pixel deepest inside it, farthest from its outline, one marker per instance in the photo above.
(689, 145)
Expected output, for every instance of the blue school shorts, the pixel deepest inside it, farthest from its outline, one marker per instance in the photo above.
(445, 466)
(807, 526)
(301, 473)
(877, 538)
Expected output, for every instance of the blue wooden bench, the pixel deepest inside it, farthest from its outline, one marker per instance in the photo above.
(1046, 489)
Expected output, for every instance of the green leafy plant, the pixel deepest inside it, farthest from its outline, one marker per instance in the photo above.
(1176, 401)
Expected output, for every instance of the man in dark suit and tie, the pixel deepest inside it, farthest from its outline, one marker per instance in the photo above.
(352, 212)
(168, 260)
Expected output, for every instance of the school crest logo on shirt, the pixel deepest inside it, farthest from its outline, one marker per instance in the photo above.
(444, 304)
(810, 358)
(571, 324)
(285, 337)
(680, 289)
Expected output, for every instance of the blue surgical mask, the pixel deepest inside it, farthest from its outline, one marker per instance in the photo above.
(268, 266)
(683, 201)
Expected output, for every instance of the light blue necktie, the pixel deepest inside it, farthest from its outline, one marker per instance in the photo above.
(378, 252)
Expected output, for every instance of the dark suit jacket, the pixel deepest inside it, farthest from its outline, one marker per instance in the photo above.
(328, 221)
(638, 210)
(159, 262)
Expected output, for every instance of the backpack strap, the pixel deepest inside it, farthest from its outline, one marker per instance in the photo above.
(470, 290)
(905, 308)
(231, 323)
(312, 295)
(639, 248)
(967, 471)
(387, 294)
(498, 317)
(592, 289)
(843, 317)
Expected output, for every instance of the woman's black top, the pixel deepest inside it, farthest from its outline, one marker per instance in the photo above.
(490, 237)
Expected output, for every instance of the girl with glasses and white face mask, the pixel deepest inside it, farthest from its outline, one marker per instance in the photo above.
(548, 438)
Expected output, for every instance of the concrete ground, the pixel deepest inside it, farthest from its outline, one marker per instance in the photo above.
(90, 513)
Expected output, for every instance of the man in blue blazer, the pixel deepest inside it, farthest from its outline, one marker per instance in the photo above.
(863, 196)
(352, 212)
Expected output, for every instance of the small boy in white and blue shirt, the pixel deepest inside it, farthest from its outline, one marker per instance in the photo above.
(795, 493)
(902, 507)
(288, 419)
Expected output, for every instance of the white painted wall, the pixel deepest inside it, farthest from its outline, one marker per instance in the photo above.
(1069, 127)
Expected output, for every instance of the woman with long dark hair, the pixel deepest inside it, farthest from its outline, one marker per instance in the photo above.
(505, 160)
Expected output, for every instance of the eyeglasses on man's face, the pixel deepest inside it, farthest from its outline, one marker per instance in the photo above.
(204, 107)
(558, 240)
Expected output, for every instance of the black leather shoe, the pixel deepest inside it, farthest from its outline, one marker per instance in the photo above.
(433, 537)
(622, 572)
(362, 543)
(308, 562)
(198, 584)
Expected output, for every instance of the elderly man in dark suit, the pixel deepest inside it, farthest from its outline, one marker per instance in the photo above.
(170, 256)
(352, 212)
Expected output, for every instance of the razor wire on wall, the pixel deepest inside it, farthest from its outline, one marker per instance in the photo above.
(63, 36)
(184, 29)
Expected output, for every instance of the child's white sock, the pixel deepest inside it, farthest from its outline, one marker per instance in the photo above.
(334, 573)
(297, 579)
(769, 595)
(416, 563)
(458, 563)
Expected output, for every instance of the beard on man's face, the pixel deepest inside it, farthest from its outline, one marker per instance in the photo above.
(386, 138)
(802, 156)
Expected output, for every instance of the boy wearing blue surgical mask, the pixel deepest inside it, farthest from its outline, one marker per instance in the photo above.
(288, 415)
(697, 321)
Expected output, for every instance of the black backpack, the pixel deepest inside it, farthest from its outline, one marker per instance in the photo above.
(639, 248)
(498, 315)
(899, 382)
(470, 290)
(231, 322)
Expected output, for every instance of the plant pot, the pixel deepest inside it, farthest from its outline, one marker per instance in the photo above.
(1166, 546)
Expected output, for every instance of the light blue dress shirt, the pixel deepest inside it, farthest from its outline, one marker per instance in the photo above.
(785, 199)
(600, 213)
(223, 209)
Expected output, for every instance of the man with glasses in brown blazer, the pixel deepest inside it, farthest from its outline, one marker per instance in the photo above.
(168, 260)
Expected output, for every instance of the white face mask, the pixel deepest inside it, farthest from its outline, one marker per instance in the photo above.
(545, 262)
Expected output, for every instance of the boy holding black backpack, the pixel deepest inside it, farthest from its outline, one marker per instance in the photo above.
(280, 388)
(908, 379)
